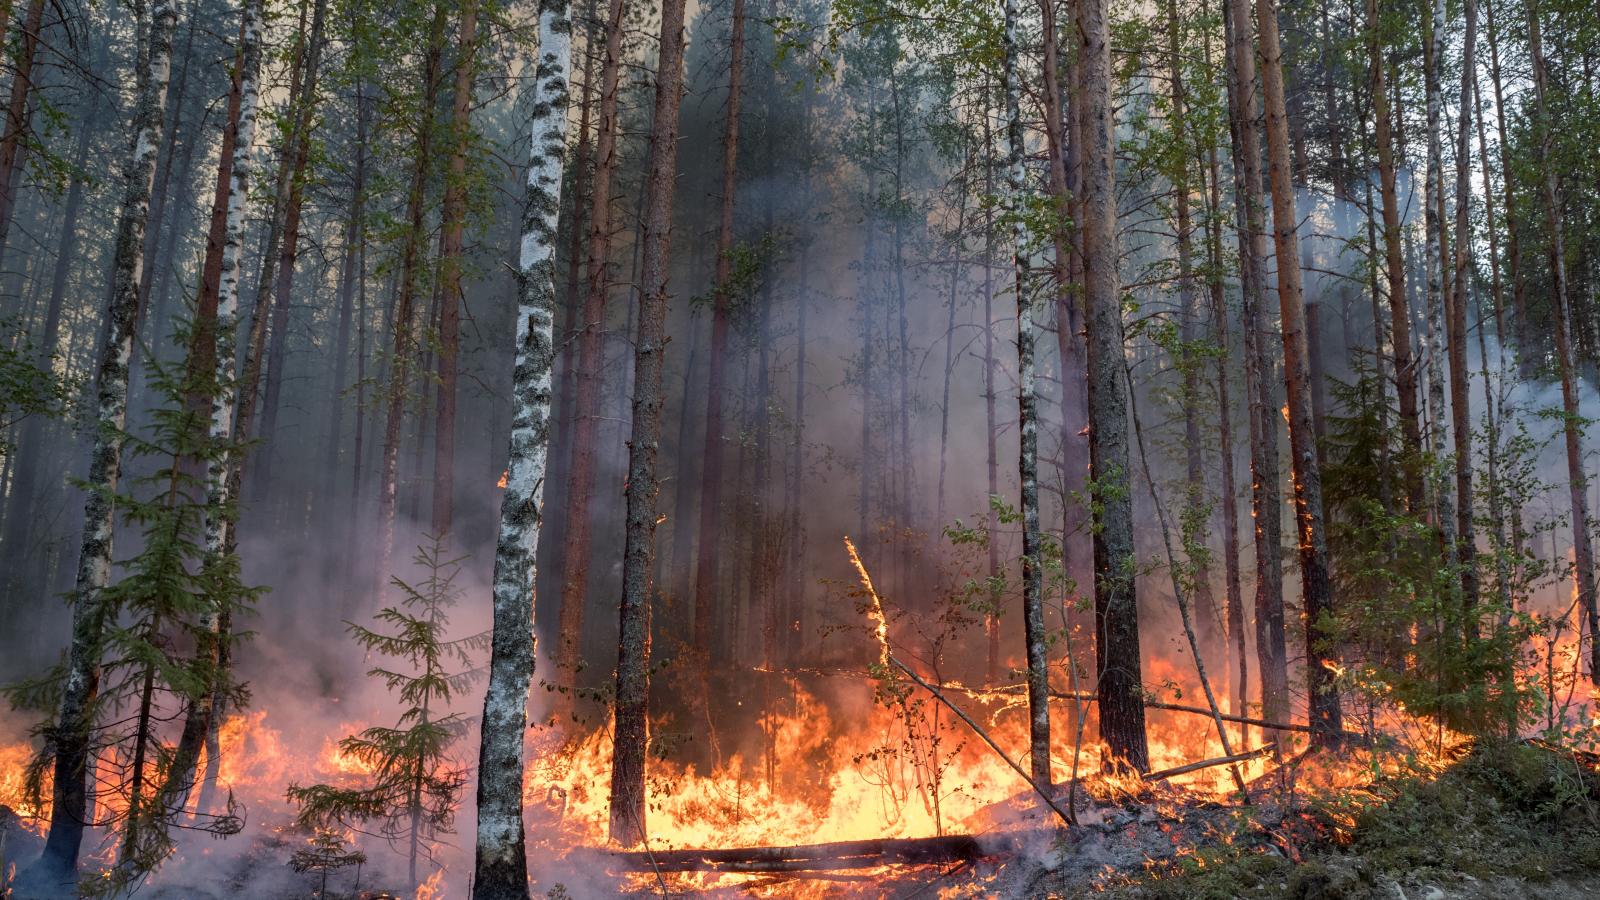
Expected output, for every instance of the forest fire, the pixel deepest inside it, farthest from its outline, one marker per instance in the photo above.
(981, 448)
(890, 772)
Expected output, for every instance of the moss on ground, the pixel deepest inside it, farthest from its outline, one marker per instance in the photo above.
(1514, 811)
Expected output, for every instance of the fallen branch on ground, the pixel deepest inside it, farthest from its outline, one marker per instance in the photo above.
(1209, 763)
(804, 857)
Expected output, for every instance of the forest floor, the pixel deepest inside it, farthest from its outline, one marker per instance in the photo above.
(1498, 821)
(1502, 821)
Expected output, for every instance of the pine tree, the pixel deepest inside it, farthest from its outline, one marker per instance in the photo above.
(633, 647)
(416, 781)
(159, 607)
(1116, 598)
(326, 853)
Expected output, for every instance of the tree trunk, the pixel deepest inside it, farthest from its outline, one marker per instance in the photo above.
(405, 301)
(705, 581)
(1405, 369)
(1316, 590)
(1234, 604)
(216, 320)
(289, 249)
(1117, 655)
(1195, 530)
(1069, 341)
(1433, 227)
(453, 222)
(256, 340)
(1265, 499)
(1519, 303)
(1460, 407)
(351, 273)
(1493, 406)
(566, 366)
(17, 115)
(30, 453)
(1035, 635)
(501, 869)
(631, 735)
(56, 869)
(1578, 480)
(991, 621)
(580, 505)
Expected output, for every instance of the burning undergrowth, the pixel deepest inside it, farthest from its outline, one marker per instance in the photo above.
(1491, 818)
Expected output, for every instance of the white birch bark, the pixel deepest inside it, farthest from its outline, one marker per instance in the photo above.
(501, 866)
(1028, 457)
(57, 866)
(1433, 224)
(224, 403)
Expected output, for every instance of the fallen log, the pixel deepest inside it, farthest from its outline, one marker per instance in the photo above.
(803, 857)
(1186, 768)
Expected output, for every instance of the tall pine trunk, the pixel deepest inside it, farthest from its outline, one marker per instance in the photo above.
(1577, 478)
(591, 327)
(1265, 497)
(25, 486)
(18, 109)
(1405, 369)
(1196, 504)
(1519, 302)
(1120, 689)
(705, 579)
(410, 278)
(352, 280)
(1239, 668)
(289, 248)
(631, 735)
(1317, 592)
(453, 229)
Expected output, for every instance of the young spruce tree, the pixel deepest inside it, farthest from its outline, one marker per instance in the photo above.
(416, 783)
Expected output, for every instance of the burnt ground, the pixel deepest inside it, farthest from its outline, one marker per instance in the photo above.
(1501, 821)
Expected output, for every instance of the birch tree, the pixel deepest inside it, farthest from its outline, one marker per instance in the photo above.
(1027, 422)
(216, 326)
(501, 870)
(1460, 406)
(56, 868)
